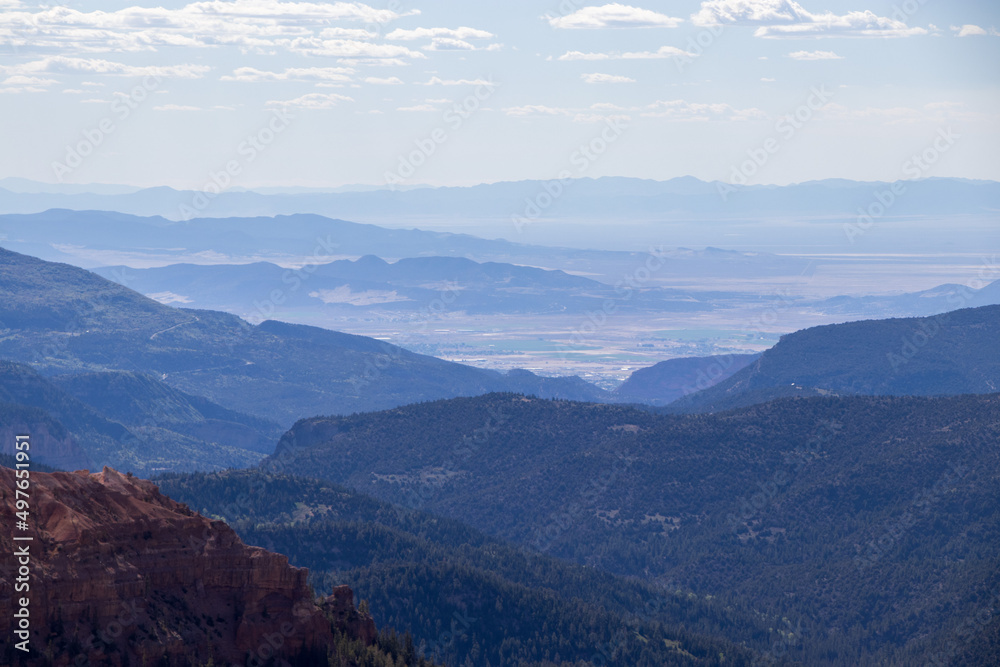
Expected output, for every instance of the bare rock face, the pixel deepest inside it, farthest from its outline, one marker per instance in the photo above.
(122, 575)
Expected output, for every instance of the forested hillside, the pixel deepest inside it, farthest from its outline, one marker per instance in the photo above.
(870, 520)
(469, 599)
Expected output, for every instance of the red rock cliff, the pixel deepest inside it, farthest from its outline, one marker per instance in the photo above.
(121, 574)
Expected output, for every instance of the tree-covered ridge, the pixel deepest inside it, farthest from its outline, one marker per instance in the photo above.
(869, 522)
(469, 599)
(128, 420)
(948, 354)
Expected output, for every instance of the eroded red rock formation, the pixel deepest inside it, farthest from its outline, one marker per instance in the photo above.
(121, 574)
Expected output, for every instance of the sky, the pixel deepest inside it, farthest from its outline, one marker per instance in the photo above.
(252, 93)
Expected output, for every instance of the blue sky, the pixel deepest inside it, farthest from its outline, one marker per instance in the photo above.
(258, 92)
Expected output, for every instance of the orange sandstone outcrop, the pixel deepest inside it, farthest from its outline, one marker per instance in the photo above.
(121, 574)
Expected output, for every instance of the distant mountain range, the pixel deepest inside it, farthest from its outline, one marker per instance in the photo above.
(601, 198)
(181, 376)
(131, 369)
(94, 239)
(935, 301)
(408, 286)
(805, 217)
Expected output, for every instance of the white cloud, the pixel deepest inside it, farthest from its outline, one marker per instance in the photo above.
(250, 74)
(349, 48)
(969, 30)
(662, 52)
(69, 65)
(312, 101)
(378, 62)
(605, 78)
(814, 55)
(613, 16)
(437, 81)
(22, 80)
(347, 33)
(449, 44)
(261, 25)
(768, 80)
(462, 33)
(176, 107)
(387, 81)
(787, 18)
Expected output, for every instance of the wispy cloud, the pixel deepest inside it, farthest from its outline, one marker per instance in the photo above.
(384, 81)
(677, 110)
(430, 33)
(536, 110)
(605, 78)
(682, 110)
(814, 55)
(615, 15)
(250, 74)
(70, 65)
(437, 81)
(662, 52)
(312, 101)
